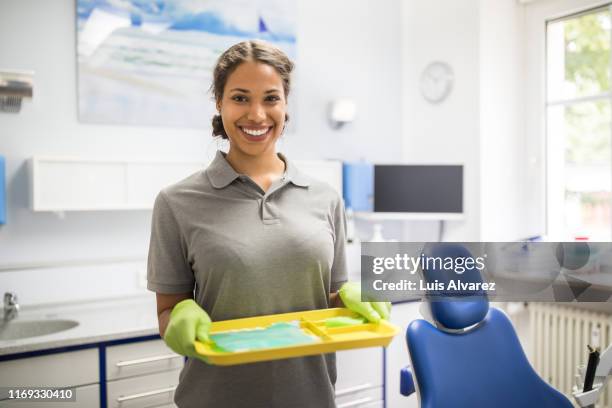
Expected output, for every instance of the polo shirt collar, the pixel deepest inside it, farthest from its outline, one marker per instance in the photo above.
(221, 174)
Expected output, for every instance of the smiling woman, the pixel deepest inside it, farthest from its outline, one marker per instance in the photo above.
(251, 83)
(248, 236)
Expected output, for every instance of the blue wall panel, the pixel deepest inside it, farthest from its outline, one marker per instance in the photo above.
(358, 186)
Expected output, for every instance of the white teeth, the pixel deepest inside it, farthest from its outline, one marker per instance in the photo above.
(255, 132)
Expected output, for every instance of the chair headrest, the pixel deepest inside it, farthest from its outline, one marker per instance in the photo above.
(451, 309)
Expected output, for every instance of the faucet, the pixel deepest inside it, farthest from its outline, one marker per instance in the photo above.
(11, 307)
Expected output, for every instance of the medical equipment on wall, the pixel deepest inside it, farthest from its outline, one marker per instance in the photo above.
(341, 112)
(592, 379)
(14, 86)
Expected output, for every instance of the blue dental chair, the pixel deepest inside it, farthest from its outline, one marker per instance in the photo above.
(471, 356)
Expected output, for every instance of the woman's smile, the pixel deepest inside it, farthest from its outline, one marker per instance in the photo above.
(255, 133)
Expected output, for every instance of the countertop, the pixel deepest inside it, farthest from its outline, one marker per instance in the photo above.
(100, 320)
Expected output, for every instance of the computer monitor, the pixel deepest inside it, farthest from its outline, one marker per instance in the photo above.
(433, 191)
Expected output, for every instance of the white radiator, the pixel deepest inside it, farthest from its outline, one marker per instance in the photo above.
(559, 336)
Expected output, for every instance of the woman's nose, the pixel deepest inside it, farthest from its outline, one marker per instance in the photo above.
(257, 113)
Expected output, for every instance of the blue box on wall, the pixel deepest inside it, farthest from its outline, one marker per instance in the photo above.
(2, 192)
(358, 186)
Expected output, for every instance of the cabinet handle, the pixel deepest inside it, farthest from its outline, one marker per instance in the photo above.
(146, 394)
(354, 389)
(147, 360)
(356, 403)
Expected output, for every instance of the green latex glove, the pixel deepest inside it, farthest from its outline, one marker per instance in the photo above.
(350, 293)
(188, 322)
(343, 321)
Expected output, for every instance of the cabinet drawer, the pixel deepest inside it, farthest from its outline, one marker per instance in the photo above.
(359, 367)
(145, 391)
(145, 357)
(377, 404)
(366, 398)
(71, 368)
(86, 397)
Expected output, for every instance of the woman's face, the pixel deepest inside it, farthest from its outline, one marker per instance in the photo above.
(253, 108)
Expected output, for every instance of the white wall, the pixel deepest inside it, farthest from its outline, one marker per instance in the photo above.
(503, 149)
(349, 48)
(482, 123)
(356, 56)
(448, 133)
(354, 59)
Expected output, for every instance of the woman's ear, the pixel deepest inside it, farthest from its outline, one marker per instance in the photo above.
(218, 106)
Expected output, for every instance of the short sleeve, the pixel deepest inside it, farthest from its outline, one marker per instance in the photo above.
(339, 268)
(168, 270)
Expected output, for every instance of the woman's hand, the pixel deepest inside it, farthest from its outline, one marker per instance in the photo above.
(350, 293)
(188, 323)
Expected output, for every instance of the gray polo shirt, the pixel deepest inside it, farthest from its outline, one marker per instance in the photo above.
(246, 252)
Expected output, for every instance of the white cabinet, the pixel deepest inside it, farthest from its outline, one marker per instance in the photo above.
(360, 377)
(361, 399)
(329, 171)
(77, 369)
(75, 184)
(143, 357)
(87, 396)
(397, 356)
(140, 375)
(80, 184)
(143, 391)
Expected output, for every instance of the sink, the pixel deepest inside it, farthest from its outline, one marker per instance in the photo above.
(16, 329)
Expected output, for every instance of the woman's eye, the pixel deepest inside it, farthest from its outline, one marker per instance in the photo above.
(272, 98)
(239, 98)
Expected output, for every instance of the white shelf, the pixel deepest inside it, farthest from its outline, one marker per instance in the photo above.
(75, 184)
(383, 216)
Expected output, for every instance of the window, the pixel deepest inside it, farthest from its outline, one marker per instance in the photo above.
(578, 126)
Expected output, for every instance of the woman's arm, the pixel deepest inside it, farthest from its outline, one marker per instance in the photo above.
(165, 303)
(335, 301)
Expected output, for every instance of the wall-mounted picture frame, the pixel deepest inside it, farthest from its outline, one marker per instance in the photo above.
(150, 63)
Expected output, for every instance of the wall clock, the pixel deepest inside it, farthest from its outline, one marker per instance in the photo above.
(437, 82)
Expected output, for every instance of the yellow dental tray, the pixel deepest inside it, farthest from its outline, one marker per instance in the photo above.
(329, 339)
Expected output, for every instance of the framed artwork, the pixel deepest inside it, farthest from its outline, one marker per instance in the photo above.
(150, 63)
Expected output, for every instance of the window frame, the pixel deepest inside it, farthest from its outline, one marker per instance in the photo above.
(537, 16)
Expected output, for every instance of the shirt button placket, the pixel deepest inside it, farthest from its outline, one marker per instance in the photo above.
(265, 211)
(268, 212)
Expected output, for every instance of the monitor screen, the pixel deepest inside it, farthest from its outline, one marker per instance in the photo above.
(418, 188)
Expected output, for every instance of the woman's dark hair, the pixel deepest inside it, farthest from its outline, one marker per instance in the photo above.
(252, 50)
